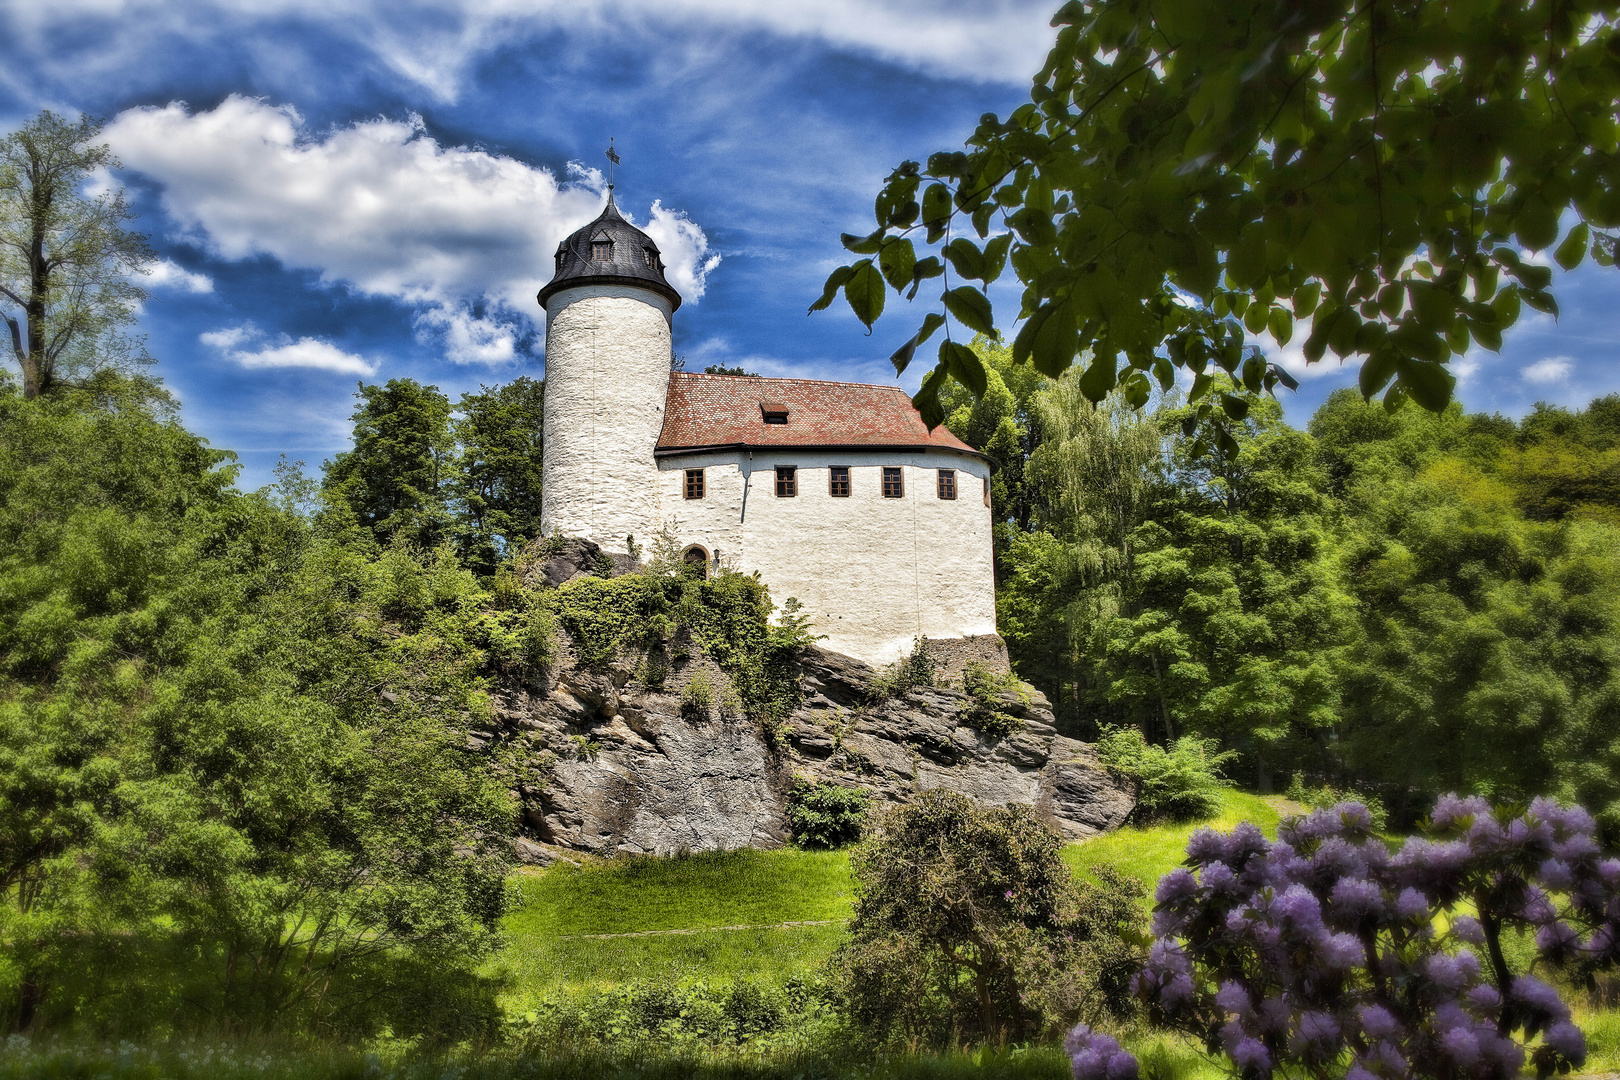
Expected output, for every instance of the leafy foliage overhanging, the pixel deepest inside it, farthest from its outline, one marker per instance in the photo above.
(1185, 173)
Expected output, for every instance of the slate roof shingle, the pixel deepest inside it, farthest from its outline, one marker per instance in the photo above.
(724, 410)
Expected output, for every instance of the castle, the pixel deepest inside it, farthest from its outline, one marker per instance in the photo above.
(837, 494)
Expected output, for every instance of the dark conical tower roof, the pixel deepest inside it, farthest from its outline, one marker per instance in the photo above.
(610, 251)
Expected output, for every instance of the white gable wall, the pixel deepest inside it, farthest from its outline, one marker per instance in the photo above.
(873, 573)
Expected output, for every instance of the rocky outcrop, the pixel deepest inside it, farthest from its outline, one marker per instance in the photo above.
(632, 767)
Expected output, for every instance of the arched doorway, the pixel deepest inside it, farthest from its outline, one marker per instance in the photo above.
(697, 562)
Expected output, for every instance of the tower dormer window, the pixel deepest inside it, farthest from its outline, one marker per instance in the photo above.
(601, 251)
(651, 256)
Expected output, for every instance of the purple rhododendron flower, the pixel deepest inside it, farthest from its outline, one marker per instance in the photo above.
(1537, 908)
(1243, 844)
(1300, 907)
(1412, 904)
(1341, 951)
(1557, 940)
(1567, 1039)
(1095, 1056)
(1218, 879)
(1555, 874)
(1122, 1066)
(1205, 846)
(1467, 928)
(1234, 999)
(1460, 1045)
(1320, 1030)
(1301, 919)
(1390, 1057)
(1538, 999)
(1376, 1022)
(1576, 848)
(1452, 810)
(1252, 1057)
(1354, 897)
(1178, 885)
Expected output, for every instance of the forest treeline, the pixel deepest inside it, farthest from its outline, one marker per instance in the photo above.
(1400, 603)
(240, 773)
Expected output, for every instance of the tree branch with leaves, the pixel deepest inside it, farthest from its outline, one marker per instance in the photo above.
(1186, 176)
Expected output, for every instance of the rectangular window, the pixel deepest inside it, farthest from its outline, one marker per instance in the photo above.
(947, 483)
(787, 481)
(838, 481)
(894, 487)
(694, 483)
(987, 491)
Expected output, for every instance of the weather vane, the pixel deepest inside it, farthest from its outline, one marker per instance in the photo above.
(613, 159)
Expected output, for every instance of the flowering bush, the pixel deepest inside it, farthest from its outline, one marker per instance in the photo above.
(1324, 949)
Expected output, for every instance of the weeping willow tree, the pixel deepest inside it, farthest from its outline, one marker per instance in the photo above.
(1093, 479)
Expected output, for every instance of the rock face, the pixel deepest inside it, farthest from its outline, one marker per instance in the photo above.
(632, 769)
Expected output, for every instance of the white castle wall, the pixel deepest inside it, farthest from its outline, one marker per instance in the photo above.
(607, 375)
(873, 573)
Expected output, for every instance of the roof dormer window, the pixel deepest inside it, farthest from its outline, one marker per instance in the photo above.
(602, 250)
(774, 412)
(652, 257)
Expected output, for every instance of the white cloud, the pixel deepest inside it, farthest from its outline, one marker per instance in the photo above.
(435, 43)
(230, 337)
(1553, 369)
(167, 274)
(284, 352)
(385, 209)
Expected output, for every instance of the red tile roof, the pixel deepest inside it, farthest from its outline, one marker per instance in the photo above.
(724, 410)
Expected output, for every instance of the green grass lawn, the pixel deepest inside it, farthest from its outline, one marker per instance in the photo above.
(1147, 854)
(545, 960)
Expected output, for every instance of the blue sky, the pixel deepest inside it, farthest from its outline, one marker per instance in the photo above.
(353, 189)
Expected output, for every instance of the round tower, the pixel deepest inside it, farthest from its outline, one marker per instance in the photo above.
(608, 310)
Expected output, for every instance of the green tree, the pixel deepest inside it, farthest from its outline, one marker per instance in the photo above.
(1090, 481)
(1185, 172)
(1235, 613)
(66, 256)
(497, 478)
(968, 924)
(1485, 656)
(233, 755)
(396, 480)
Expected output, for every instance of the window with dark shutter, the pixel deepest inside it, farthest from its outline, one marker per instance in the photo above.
(787, 481)
(694, 483)
(894, 486)
(838, 481)
(947, 483)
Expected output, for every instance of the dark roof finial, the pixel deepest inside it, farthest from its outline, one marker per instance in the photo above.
(613, 159)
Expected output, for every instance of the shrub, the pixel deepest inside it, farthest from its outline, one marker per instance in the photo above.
(1182, 783)
(1296, 956)
(1322, 796)
(984, 687)
(825, 815)
(917, 669)
(697, 696)
(968, 925)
